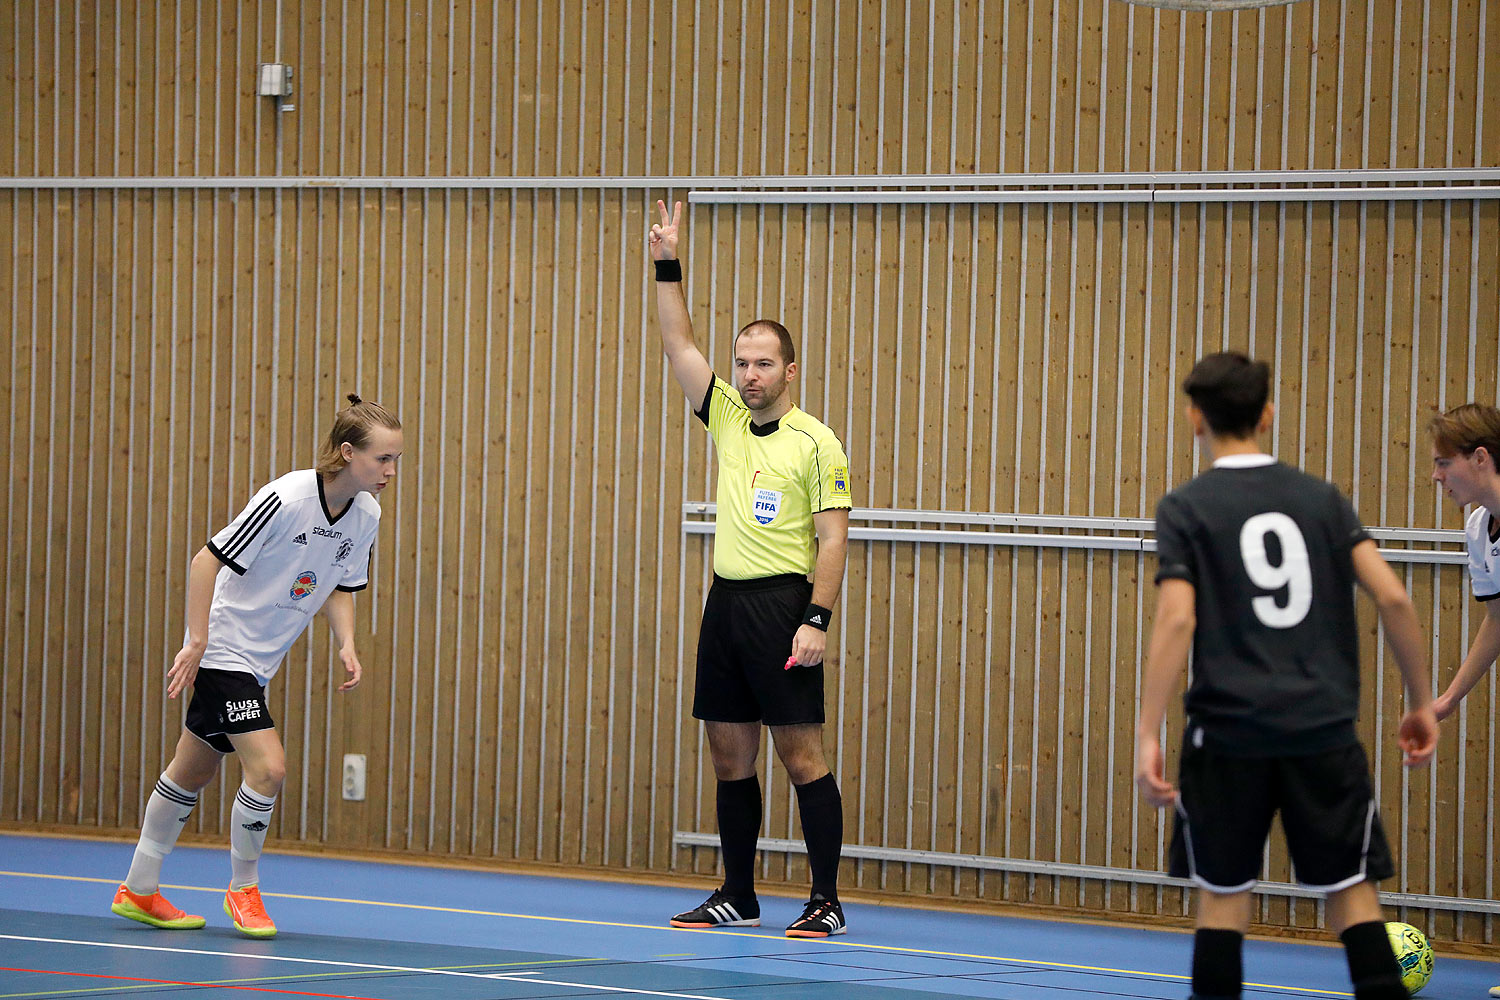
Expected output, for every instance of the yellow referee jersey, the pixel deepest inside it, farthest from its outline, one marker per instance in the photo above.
(772, 480)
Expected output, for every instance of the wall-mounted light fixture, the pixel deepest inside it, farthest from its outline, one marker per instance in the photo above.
(276, 81)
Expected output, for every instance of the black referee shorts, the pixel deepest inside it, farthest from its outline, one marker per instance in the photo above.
(1327, 807)
(743, 645)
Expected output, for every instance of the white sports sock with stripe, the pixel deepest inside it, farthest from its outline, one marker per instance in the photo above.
(250, 819)
(167, 810)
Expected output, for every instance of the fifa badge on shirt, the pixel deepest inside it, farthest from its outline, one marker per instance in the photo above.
(841, 482)
(765, 504)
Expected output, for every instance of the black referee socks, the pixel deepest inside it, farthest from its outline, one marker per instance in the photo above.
(822, 810)
(739, 827)
(1217, 973)
(1372, 963)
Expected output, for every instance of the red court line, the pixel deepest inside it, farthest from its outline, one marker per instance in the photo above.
(178, 982)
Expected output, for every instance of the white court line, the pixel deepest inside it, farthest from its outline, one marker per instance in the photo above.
(519, 977)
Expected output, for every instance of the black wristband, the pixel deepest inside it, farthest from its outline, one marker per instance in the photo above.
(817, 616)
(669, 270)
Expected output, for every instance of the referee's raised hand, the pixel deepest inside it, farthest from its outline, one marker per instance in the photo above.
(663, 238)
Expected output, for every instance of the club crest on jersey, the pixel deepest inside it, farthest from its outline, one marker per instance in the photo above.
(345, 547)
(306, 583)
(765, 504)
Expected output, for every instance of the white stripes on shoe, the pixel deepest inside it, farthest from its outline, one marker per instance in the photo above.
(725, 914)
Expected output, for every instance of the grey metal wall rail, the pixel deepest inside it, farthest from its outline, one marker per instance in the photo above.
(1101, 179)
(1104, 873)
(698, 521)
(1103, 195)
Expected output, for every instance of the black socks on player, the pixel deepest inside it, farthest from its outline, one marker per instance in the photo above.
(1217, 973)
(822, 810)
(739, 827)
(1372, 962)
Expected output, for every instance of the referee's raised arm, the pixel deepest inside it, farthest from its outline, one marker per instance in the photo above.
(691, 368)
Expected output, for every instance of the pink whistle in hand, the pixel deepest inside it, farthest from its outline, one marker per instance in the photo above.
(791, 661)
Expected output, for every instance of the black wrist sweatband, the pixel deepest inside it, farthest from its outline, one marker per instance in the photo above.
(817, 616)
(669, 270)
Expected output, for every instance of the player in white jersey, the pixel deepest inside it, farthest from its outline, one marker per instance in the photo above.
(1466, 463)
(302, 543)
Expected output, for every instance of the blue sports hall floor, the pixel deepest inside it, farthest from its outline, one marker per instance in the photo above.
(357, 929)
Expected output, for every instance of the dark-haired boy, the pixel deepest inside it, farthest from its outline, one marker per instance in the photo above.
(1257, 567)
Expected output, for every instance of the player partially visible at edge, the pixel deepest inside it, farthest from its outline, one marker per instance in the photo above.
(303, 542)
(1466, 464)
(1257, 567)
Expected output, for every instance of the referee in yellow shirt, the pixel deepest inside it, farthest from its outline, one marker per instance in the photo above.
(783, 477)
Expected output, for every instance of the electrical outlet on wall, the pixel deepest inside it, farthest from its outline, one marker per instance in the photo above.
(354, 777)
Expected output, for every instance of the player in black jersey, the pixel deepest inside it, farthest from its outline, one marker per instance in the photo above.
(1258, 563)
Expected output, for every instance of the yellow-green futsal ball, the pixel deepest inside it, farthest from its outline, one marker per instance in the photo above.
(1413, 954)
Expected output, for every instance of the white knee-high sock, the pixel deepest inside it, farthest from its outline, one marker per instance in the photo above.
(167, 810)
(250, 819)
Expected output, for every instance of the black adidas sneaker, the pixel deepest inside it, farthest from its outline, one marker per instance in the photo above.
(721, 910)
(820, 918)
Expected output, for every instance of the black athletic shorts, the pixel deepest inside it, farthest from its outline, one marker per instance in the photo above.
(224, 702)
(743, 645)
(1327, 807)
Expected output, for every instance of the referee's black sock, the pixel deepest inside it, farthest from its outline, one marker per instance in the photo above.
(1372, 962)
(1217, 973)
(739, 827)
(822, 810)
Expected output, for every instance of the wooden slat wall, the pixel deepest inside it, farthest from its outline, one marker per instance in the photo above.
(529, 636)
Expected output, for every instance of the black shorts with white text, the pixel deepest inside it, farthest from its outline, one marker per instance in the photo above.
(225, 702)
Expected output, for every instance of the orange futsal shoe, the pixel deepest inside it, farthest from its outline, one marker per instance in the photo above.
(154, 910)
(248, 912)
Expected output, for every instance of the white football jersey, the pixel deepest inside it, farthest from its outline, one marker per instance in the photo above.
(283, 555)
(1484, 555)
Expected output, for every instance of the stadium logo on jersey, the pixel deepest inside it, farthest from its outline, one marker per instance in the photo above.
(765, 504)
(301, 539)
(841, 482)
(345, 547)
(325, 533)
(306, 583)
